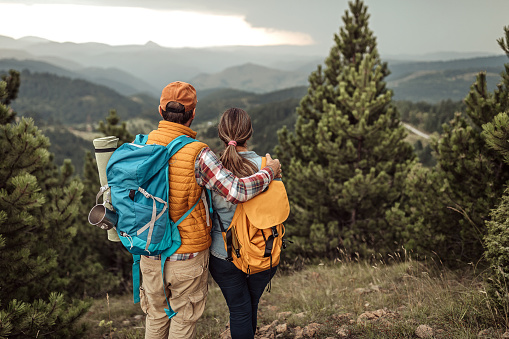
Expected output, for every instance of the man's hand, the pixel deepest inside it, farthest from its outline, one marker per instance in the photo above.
(274, 164)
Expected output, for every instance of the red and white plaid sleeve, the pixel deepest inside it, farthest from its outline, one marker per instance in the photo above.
(210, 173)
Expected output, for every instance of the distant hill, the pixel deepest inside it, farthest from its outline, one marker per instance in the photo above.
(436, 56)
(21, 55)
(159, 65)
(266, 118)
(250, 77)
(72, 101)
(35, 66)
(434, 85)
(415, 81)
(442, 80)
(269, 112)
(399, 70)
(114, 78)
(66, 145)
(210, 108)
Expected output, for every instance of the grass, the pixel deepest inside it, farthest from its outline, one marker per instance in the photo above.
(334, 294)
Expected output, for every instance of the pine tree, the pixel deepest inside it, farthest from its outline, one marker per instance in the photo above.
(344, 165)
(38, 205)
(113, 126)
(109, 264)
(95, 275)
(474, 172)
(496, 240)
(448, 214)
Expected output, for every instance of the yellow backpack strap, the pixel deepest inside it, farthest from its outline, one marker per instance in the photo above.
(264, 162)
(227, 237)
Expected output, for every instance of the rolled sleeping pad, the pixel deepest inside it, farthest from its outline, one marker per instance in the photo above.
(104, 148)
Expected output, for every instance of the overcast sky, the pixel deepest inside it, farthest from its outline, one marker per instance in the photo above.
(401, 26)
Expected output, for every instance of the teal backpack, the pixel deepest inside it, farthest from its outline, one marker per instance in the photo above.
(137, 176)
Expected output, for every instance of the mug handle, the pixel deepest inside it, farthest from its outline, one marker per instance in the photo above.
(101, 192)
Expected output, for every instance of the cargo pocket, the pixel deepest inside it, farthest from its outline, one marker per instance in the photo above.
(143, 301)
(195, 305)
(189, 273)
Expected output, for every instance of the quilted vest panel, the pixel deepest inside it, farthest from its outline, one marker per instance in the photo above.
(184, 191)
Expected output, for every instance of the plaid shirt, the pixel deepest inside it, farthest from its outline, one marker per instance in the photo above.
(210, 173)
(175, 256)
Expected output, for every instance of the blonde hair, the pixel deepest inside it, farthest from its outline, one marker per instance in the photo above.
(235, 124)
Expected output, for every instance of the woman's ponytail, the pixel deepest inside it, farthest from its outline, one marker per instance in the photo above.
(235, 129)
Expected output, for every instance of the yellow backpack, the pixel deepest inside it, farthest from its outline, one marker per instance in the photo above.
(254, 238)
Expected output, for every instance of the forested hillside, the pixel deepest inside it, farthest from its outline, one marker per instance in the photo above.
(216, 102)
(66, 145)
(250, 77)
(403, 69)
(114, 78)
(267, 119)
(438, 85)
(52, 98)
(429, 117)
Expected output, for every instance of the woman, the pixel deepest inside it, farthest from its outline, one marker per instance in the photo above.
(241, 291)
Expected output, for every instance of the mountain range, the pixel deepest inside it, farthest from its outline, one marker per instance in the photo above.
(152, 63)
(148, 68)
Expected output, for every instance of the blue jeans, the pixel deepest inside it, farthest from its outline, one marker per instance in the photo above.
(242, 294)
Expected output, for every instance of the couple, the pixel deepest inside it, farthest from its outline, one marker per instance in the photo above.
(234, 178)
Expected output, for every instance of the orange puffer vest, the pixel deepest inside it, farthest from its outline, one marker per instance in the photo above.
(184, 191)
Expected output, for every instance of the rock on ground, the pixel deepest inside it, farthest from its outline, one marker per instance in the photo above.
(281, 328)
(298, 332)
(267, 331)
(343, 332)
(283, 315)
(491, 333)
(424, 331)
(311, 329)
(372, 315)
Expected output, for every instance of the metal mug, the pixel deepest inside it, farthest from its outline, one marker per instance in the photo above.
(102, 217)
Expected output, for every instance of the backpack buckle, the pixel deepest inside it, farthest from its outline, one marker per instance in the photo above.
(274, 232)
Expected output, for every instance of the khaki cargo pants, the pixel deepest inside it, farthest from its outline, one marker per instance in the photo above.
(186, 288)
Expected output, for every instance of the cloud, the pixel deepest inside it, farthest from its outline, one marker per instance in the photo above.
(134, 25)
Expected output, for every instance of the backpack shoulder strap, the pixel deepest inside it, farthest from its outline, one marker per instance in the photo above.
(136, 278)
(141, 139)
(176, 144)
(173, 147)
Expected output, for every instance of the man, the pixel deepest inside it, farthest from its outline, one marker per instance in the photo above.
(193, 168)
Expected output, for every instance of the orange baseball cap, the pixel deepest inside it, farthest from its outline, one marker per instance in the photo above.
(180, 92)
